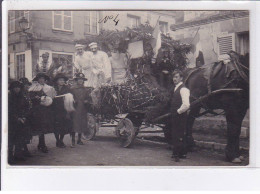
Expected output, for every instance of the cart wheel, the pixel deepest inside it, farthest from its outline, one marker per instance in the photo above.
(126, 132)
(92, 127)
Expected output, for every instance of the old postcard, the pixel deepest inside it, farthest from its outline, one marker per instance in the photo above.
(127, 87)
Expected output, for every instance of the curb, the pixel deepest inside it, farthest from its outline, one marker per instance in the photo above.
(214, 145)
(202, 144)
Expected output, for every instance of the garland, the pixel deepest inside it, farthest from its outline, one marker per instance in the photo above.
(141, 91)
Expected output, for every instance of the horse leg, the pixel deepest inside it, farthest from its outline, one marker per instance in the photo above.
(234, 119)
(190, 121)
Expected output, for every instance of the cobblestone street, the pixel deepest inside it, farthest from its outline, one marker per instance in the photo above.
(105, 150)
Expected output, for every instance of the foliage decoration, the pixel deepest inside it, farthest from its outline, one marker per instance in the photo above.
(143, 89)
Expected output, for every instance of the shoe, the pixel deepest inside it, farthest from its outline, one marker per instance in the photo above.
(80, 142)
(83, 137)
(58, 144)
(241, 158)
(183, 156)
(236, 160)
(62, 145)
(43, 149)
(72, 143)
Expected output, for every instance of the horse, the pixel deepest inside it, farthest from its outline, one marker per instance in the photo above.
(230, 82)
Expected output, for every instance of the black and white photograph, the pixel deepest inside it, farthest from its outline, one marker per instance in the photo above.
(128, 88)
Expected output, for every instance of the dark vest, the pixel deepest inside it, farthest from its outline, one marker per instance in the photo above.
(176, 100)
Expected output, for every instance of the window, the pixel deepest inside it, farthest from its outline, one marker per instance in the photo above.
(64, 60)
(243, 43)
(133, 21)
(11, 21)
(163, 27)
(62, 20)
(20, 65)
(91, 22)
(226, 43)
(26, 15)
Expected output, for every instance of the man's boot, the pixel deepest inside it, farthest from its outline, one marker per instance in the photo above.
(79, 140)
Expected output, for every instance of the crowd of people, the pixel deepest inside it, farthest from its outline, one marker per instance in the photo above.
(52, 104)
(38, 108)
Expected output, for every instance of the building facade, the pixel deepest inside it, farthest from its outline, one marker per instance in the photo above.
(213, 34)
(55, 33)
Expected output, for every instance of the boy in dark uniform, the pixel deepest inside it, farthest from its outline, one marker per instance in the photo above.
(179, 106)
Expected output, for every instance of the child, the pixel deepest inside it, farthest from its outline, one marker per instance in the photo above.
(61, 116)
(82, 97)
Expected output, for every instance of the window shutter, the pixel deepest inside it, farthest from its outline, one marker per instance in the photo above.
(226, 43)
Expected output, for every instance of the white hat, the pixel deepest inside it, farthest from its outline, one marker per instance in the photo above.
(79, 46)
(93, 45)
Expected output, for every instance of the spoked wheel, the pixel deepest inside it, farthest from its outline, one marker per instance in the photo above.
(92, 127)
(125, 131)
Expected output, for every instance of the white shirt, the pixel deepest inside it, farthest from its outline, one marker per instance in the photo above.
(101, 63)
(185, 97)
(83, 62)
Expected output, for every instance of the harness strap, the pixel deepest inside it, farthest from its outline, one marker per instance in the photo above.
(241, 72)
(189, 75)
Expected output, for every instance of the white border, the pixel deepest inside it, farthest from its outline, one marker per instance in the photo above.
(132, 178)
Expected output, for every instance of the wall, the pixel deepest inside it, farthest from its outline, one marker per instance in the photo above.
(145, 16)
(204, 37)
(48, 39)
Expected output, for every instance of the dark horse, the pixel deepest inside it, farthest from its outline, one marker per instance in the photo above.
(214, 77)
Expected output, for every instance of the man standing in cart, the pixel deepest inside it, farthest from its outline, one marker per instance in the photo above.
(179, 105)
(101, 66)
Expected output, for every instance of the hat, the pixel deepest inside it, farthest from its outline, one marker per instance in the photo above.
(93, 45)
(79, 46)
(60, 75)
(15, 84)
(39, 75)
(80, 76)
(25, 81)
(45, 54)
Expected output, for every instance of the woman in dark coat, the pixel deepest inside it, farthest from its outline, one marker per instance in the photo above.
(82, 99)
(28, 135)
(41, 118)
(62, 122)
(18, 109)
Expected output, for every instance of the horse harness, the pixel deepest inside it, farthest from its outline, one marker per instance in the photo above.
(237, 66)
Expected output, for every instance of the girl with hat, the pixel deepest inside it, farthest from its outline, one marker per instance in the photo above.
(18, 109)
(62, 122)
(41, 118)
(82, 97)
